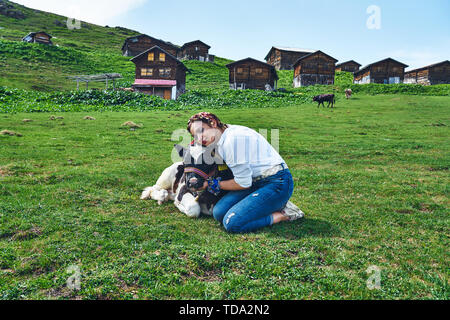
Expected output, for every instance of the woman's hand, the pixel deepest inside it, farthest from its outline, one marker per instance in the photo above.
(205, 185)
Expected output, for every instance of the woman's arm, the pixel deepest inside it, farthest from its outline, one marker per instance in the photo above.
(229, 185)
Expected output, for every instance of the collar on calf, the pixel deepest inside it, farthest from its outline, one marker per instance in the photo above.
(198, 171)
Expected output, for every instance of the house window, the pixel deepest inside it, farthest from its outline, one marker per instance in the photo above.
(146, 72)
(164, 72)
(258, 70)
(151, 56)
(240, 70)
(394, 80)
(162, 57)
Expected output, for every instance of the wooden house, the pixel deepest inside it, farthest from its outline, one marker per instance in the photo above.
(438, 73)
(385, 71)
(314, 68)
(195, 50)
(134, 46)
(284, 58)
(348, 66)
(250, 73)
(38, 37)
(159, 73)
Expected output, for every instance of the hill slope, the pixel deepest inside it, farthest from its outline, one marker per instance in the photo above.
(88, 38)
(89, 50)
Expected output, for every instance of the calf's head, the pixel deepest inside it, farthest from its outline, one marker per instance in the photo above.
(199, 164)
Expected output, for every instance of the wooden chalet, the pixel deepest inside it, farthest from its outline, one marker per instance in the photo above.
(348, 66)
(38, 37)
(250, 73)
(195, 50)
(438, 73)
(284, 58)
(314, 68)
(134, 46)
(386, 71)
(159, 73)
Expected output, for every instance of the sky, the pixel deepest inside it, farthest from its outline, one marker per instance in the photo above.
(414, 32)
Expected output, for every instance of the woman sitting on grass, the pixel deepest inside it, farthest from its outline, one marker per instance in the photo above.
(262, 183)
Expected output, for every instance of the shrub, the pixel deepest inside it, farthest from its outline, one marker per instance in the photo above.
(18, 100)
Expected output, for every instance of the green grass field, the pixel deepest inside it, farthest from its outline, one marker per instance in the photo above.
(371, 176)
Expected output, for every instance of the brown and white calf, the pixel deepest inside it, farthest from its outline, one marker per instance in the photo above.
(180, 181)
(348, 93)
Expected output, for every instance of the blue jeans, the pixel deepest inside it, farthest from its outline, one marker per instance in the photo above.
(251, 209)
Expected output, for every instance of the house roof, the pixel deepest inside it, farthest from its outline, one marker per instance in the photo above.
(272, 68)
(371, 64)
(154, 82)
(195, 41)
(430, 66)
(288, 49)
(34, 33)
(145, 35)
(353, 61)
(164, 51)
(314, 53)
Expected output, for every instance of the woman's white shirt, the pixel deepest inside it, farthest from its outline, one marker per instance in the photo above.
(247, 153)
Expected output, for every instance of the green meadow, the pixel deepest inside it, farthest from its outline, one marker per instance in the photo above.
(371, 176)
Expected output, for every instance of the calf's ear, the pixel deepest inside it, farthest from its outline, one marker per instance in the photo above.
(181, 150)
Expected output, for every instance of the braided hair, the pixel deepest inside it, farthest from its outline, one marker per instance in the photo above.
(206, 117)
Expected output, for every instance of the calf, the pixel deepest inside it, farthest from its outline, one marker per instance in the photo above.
(198, 168)
(325, 97)
(180, 181)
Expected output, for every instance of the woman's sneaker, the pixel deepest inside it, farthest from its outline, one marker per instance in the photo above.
(292, 211)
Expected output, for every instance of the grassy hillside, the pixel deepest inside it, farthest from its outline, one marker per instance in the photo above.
(89, 50)
(41, 67)
(89, 38)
